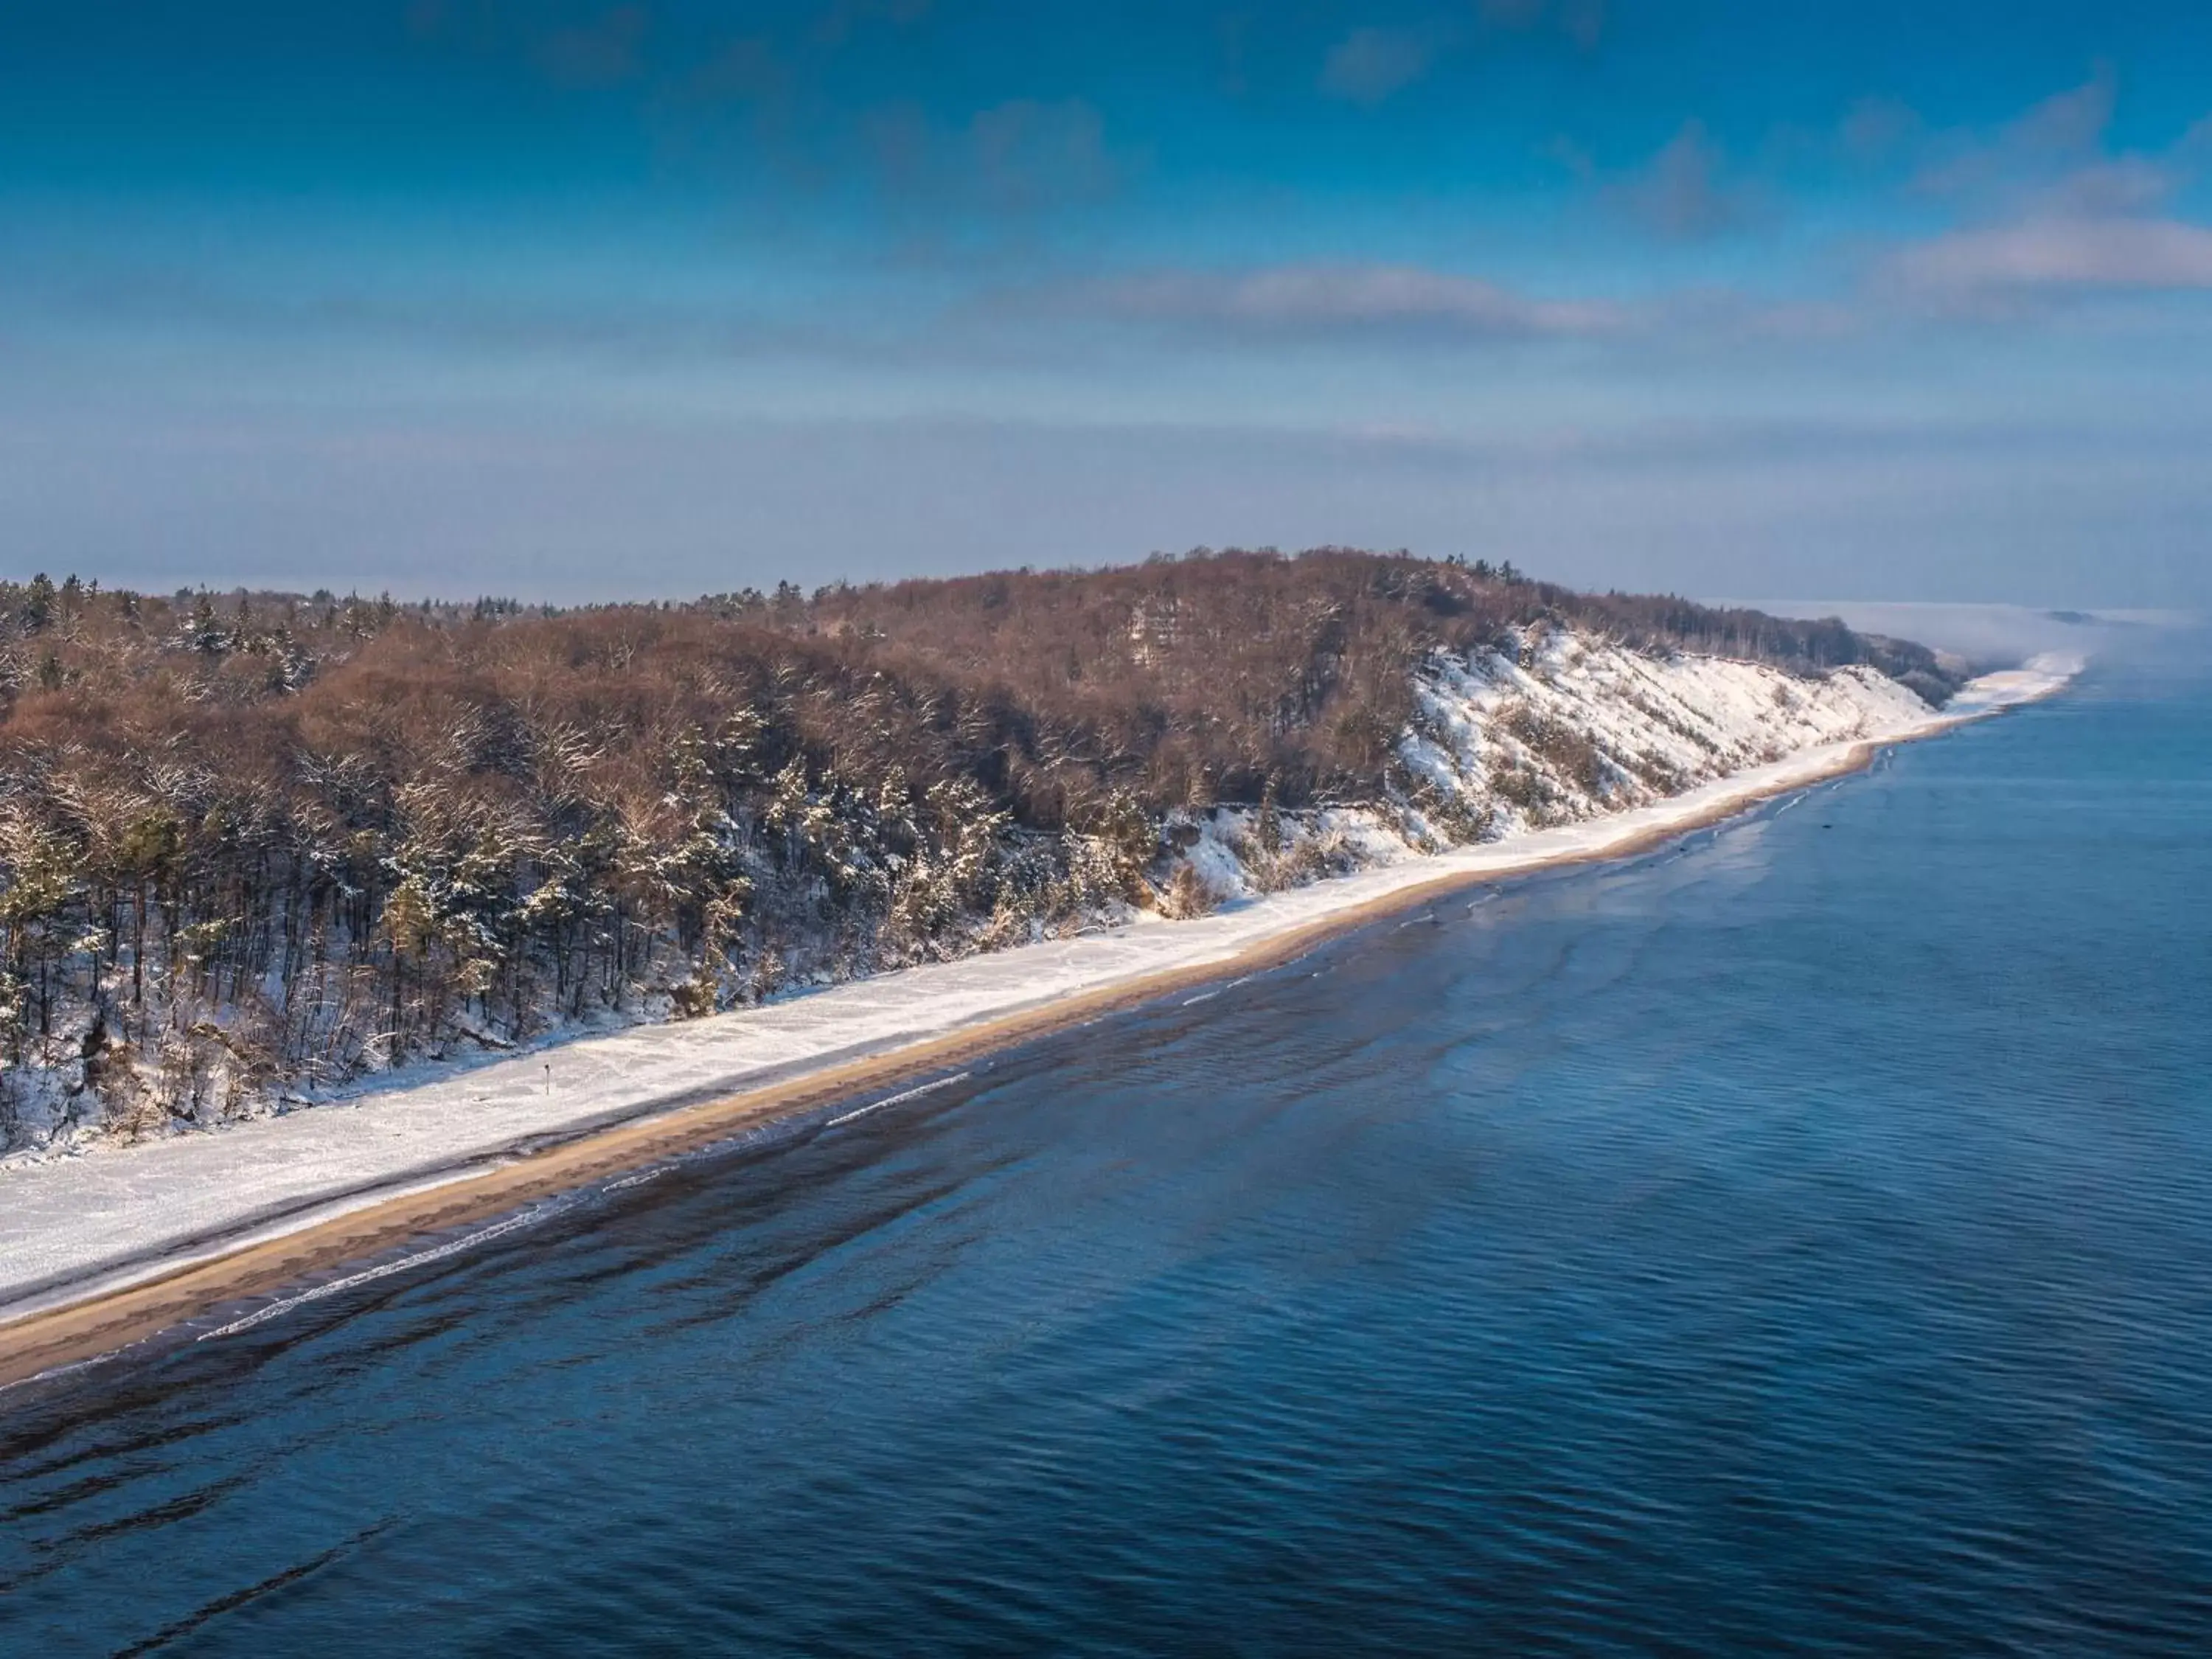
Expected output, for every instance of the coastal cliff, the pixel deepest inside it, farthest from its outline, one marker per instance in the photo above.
(261, 851)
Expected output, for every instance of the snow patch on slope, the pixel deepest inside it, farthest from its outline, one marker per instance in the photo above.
(1550, 726)
(1555, 727)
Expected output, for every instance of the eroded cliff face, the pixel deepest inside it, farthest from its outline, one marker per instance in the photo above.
(1553, 726)
(1558, 726)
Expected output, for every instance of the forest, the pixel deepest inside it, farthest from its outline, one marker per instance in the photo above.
(254, 844)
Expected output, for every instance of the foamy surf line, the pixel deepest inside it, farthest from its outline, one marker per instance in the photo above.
(350, 1181)
(369, 1276)
(899, 1098)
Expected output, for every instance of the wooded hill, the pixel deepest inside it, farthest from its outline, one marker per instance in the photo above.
(255, 842)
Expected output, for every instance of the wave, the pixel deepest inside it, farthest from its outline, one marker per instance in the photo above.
(899, 1098)
(368, 1275)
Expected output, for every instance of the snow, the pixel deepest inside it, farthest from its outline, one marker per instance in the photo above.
(1570, 728)
(2039, 677)
(1556, 727)
(72, 1225)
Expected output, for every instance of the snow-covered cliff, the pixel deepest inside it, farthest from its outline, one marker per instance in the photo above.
(1546, 726)
(1561, 726)
(1550, 726)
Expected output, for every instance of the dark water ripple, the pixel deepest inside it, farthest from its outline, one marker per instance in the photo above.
(1799, 1240)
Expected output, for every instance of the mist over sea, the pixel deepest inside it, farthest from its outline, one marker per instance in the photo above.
(1800, 1237)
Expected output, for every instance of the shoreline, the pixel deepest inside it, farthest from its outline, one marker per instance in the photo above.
(79, 1310)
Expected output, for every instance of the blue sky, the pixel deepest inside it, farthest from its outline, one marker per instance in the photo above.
(571, 300)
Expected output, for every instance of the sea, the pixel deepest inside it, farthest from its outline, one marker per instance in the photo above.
(1798, 1239)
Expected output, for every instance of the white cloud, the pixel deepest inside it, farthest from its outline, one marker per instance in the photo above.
(2057, 254)
(1321, 298)
(2047, 209)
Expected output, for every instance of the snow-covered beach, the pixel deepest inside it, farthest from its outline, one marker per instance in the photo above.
(107, 1246)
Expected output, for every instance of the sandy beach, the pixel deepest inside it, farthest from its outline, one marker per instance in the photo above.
(107, 1249)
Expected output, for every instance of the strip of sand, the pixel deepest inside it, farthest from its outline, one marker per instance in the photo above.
(101, 1250)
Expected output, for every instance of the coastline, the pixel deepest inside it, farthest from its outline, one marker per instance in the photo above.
(66, 1300)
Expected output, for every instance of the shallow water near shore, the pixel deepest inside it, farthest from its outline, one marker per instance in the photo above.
(1800, 1236)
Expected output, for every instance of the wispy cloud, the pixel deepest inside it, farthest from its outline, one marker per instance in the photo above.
(1374, 63)
(1582, 21)
(2071, 121)
(840, 20)
(1026, 154)
(1369, 64)
(2054, 134)
(2045, 209)
(1002, 167)
(600, 52)
(1331, 299)
(1684, 192)
(1877, 129)
(2059, 255)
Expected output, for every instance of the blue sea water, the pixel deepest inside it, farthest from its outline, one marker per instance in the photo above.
(1799, 1239)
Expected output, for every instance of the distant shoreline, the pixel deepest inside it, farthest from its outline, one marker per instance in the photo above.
(73, 1317)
